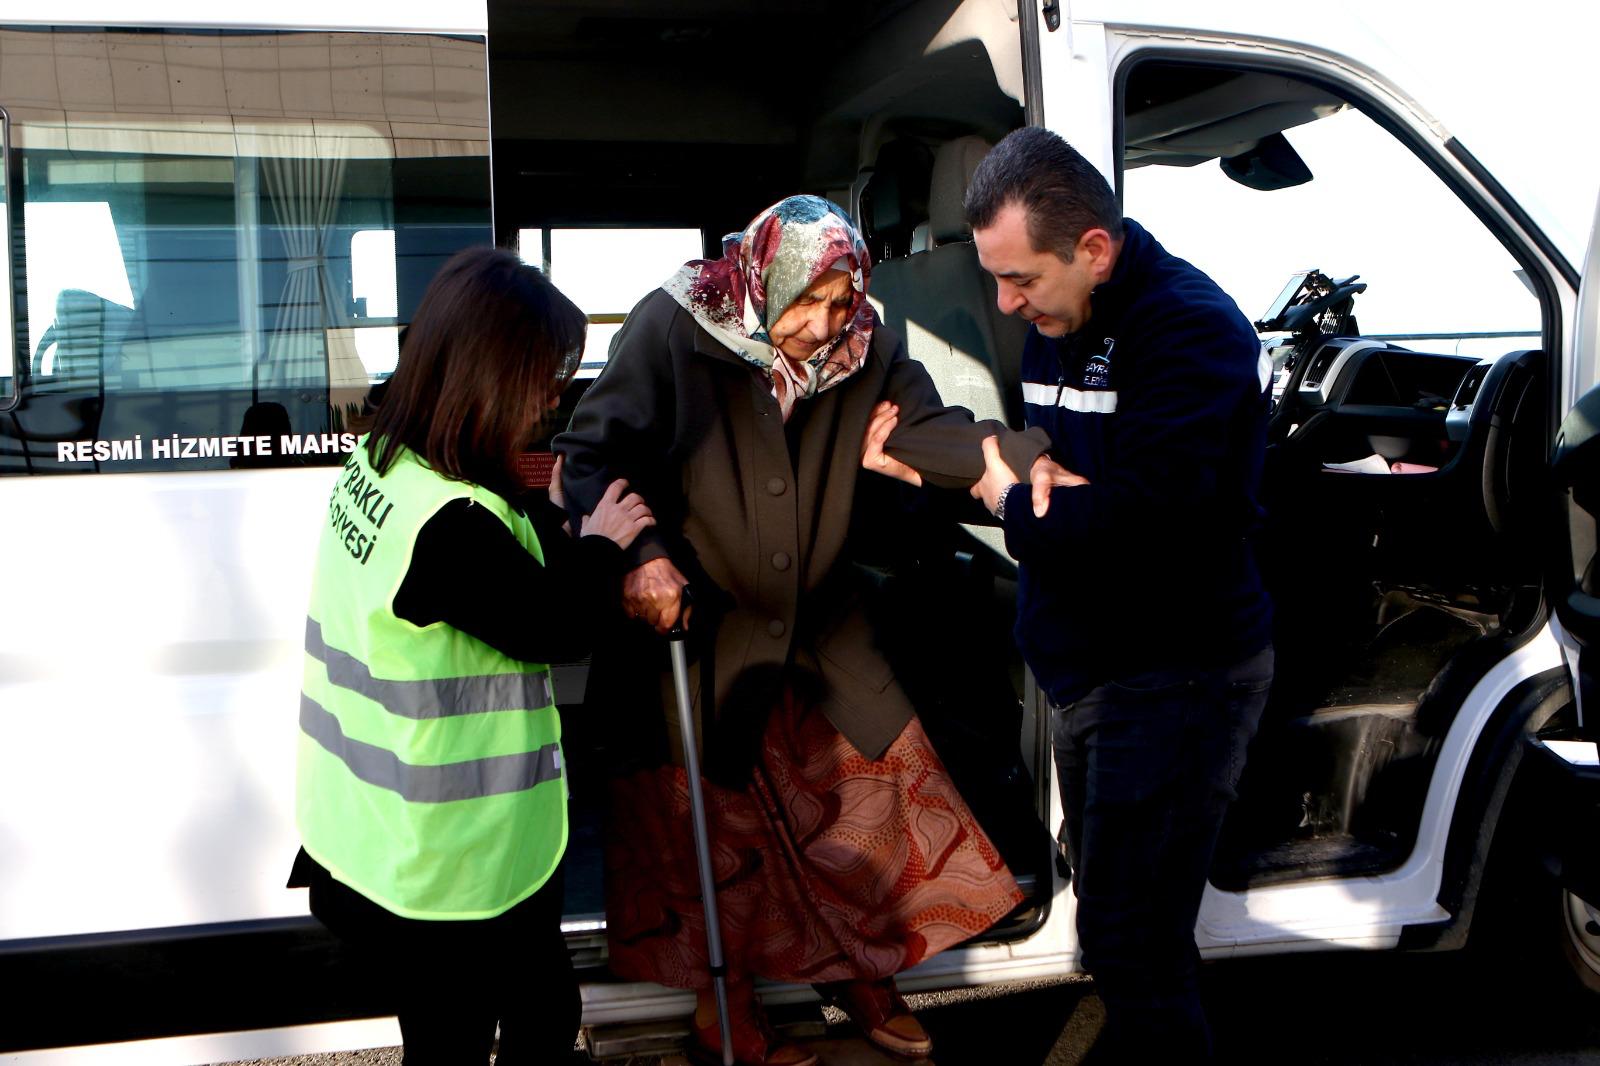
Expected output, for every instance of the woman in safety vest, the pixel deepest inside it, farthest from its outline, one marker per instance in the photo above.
(432, 794)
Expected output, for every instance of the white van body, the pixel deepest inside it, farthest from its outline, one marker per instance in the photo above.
(147, 684)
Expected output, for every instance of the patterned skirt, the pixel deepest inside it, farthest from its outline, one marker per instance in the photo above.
(829, 866)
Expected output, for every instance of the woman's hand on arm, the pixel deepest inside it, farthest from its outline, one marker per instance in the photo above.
(617, 517)
(557, 495)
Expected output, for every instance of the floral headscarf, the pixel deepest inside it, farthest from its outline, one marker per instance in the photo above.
(762, 272)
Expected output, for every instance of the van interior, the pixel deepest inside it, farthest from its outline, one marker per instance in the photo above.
(1396, 471)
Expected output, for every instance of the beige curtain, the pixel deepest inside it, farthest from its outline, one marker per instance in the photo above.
(304, 193)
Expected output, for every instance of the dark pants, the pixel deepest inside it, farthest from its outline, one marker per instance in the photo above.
(453, 981)
(1148, 766)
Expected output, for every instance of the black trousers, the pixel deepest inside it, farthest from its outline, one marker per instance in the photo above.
(1148, 766)
(453, 982)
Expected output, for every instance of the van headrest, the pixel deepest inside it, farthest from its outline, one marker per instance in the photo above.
(953, 165)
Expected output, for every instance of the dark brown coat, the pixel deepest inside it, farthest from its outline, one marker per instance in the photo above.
(695, 430)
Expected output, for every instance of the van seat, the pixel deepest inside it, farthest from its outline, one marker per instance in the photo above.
(943, 302)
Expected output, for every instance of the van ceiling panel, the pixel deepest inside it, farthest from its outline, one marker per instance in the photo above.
(1182, 115)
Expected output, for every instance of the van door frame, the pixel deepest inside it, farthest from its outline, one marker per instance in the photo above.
(1366, 911)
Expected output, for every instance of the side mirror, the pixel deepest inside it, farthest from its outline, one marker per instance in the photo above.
(1271, 164)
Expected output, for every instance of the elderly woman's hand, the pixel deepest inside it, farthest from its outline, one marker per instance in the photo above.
(885, 416)
(653, 593)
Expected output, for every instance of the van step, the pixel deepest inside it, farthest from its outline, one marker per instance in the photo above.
(833, 1051)
(794, 1021)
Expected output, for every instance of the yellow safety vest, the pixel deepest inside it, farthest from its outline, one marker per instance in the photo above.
(430, 777)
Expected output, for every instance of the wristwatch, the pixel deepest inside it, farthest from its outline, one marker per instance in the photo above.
(1000, 504)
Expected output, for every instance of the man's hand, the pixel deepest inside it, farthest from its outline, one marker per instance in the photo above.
(997, 475)
(1048, 474)
(653, 593)
(885, 416)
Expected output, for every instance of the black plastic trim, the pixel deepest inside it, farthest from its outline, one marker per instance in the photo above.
(147, 984)
(1032, 67)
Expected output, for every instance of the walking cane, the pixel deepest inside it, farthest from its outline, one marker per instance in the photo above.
(702, 840)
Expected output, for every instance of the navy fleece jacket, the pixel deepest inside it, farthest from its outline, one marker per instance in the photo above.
(1160, 401)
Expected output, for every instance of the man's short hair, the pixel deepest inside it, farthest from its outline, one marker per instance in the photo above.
(1062, 193)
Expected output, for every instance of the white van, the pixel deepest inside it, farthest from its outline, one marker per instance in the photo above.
(221, 216)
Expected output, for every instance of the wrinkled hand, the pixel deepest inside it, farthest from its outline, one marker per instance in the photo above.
(616, 516)
(1048, 474)
(885, 416)
(653, 593)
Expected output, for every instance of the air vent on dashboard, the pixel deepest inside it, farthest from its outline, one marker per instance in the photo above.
(1318, 367)
(1468, 392)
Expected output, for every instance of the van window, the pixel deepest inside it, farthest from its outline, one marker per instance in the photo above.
(223, 235)
(606, 271)
(1436, 277)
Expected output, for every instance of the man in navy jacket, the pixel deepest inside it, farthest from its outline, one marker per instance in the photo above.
(1141, 609)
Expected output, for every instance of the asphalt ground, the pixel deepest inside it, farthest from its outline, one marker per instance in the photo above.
(1316, 1009)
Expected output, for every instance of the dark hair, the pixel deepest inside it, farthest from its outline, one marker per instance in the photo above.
(491, 343)
(1062, 192)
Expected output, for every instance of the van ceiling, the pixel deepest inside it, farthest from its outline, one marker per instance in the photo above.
(1181, 115)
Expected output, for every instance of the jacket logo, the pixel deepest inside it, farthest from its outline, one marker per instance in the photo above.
(1097, 370)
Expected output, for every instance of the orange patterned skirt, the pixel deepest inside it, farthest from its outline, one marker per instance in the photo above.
(829, 866)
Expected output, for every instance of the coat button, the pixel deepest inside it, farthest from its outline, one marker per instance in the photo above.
(776, 485)
(780, 561)
(775, 627)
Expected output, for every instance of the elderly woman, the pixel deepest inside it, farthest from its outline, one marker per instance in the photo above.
(737, 402)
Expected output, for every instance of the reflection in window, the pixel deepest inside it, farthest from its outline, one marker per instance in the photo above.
(75, 268)
(372, 274)
(243, 264)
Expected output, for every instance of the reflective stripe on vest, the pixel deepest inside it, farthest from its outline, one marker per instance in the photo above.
(438, 698)
(472, 779)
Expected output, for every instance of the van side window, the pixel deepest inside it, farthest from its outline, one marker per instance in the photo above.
(223, 235)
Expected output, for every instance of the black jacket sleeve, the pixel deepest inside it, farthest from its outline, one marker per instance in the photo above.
(469, 571)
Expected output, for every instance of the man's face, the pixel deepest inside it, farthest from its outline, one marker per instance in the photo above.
(815, 318)
(1038, 285)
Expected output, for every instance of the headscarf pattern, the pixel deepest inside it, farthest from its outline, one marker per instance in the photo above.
(763, 271)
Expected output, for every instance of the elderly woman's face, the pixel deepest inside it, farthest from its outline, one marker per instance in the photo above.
(815, 318)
